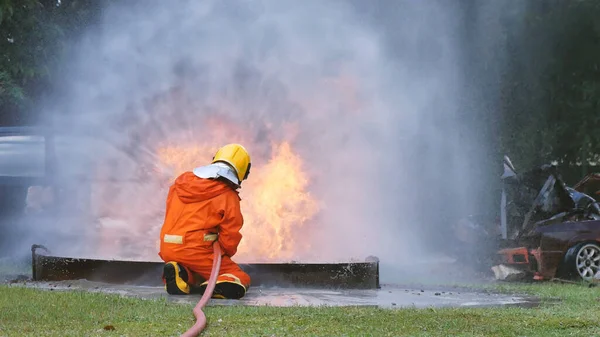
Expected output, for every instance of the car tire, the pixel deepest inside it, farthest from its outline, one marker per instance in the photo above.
(582, 261)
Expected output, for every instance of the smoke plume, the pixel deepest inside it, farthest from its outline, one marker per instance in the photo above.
(371, 95)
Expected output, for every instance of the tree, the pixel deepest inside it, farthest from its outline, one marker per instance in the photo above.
(551, 90)
(35, 35)
(12, 72)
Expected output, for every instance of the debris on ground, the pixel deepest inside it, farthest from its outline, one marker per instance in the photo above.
(507, 273)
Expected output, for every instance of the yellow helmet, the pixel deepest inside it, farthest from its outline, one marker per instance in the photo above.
(237, 157)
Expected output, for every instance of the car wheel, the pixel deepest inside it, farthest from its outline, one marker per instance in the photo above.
(582, 261)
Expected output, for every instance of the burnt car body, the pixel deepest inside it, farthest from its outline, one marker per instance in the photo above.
(552, 233)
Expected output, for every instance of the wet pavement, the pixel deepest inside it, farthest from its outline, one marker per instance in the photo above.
(389, 296)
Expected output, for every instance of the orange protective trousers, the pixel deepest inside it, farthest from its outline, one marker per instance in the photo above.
(198, 212)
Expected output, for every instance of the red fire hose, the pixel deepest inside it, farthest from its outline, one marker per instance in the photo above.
(212, 281)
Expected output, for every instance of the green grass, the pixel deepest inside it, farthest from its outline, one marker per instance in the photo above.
(32, 312)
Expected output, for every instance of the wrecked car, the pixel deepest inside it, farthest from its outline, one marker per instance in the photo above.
(547, 232)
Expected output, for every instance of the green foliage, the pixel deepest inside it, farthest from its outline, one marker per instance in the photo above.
(552, 90)
(9, 91)
(24, 42)
(34, 37)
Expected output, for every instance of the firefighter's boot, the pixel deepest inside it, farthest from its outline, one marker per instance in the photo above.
(228, 287)
(176, 278)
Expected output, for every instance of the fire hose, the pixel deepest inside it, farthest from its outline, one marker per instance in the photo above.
(212, 281)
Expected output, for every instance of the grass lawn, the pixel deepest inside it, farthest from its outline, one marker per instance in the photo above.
(31, 312)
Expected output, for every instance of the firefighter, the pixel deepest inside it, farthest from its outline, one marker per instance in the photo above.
(203, 206)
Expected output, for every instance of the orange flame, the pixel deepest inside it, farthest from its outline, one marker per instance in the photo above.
(276, 205)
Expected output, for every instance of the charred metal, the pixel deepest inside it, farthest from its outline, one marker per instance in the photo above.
(545, 230)
(356, 275)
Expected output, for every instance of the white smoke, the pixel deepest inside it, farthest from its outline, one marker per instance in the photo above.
(374, 103)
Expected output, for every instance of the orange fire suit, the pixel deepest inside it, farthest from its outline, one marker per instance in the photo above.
(197, 209)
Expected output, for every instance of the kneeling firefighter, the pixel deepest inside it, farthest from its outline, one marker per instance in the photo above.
(203, 206)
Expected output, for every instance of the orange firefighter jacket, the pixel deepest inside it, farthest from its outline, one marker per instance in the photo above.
(196, 208)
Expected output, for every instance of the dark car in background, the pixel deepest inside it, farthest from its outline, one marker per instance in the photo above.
(23, 164)
(545, 229)
(35, 163)
(557, 234)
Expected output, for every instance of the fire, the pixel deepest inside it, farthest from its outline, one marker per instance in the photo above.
(276, 205)
(128, 196)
